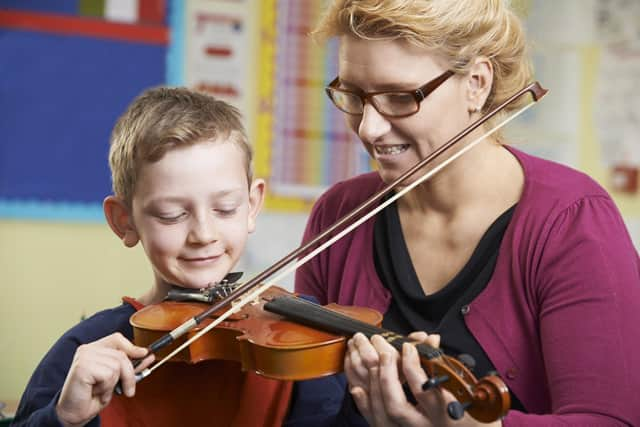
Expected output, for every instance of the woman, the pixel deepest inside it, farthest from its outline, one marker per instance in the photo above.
(524, 264)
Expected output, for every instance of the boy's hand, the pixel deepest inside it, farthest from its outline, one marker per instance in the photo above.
(94, 372)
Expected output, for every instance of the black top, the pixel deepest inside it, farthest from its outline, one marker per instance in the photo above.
(442, 312)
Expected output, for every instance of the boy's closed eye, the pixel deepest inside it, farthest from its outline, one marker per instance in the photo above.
(226, 211)
(171, 217)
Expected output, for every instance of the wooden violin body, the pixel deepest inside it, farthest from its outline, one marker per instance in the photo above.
(260, 341)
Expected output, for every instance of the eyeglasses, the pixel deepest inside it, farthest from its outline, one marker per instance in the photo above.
(394, 104)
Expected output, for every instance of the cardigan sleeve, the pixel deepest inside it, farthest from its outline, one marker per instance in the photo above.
(308, 278)
(586, 286)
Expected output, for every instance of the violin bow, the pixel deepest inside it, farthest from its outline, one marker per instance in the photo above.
(251, 290)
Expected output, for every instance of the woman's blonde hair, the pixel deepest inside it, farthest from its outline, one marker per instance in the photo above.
(456, 30)
(163, 118)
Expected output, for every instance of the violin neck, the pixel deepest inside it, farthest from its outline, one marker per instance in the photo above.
(318, 317)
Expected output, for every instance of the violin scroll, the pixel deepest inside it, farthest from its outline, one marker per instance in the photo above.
(486, 399)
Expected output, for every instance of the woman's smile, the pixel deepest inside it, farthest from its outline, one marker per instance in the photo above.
(390, 149)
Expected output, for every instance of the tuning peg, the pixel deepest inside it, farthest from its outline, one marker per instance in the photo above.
(434, 382)
(456, 409)
(467, 360)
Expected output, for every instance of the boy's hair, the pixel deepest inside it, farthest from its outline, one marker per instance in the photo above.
(163, 118)
(459, 31)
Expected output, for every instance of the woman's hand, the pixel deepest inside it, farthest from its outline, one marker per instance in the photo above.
(372, 368)
(94, 373)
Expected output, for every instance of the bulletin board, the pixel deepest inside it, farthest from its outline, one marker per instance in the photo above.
(589, 120)
(66, 75)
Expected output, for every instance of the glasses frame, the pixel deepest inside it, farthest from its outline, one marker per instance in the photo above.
(418, 95)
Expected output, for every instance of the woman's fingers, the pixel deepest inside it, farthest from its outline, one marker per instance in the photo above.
(366, 352)
(422, 337)
(397, 408)
(432, 401)
(355, 369)
(390, 388)
(361, 399)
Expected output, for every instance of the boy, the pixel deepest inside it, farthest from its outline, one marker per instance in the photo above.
(183, 188)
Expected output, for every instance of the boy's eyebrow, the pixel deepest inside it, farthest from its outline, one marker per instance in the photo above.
(215, 194)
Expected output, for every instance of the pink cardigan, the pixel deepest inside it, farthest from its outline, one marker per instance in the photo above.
(560, 317)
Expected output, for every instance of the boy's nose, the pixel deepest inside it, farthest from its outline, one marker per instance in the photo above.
(372, 124)
(203, 230)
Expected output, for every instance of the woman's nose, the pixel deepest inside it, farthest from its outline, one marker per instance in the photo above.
(372, 125)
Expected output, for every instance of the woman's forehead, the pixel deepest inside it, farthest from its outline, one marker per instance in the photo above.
(383, 63)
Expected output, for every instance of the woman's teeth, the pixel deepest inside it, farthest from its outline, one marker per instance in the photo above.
(391, 149)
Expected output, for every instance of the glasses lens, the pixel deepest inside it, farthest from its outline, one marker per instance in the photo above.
(395, 103)
(345, 101)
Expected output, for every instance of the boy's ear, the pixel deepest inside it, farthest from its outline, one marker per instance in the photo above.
(120, 220)
(256, 199)
(480, 81)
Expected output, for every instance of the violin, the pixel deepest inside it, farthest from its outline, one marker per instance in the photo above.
(284, 337)
(261, 341)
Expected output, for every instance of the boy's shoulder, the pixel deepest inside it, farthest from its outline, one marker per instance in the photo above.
(101, 324)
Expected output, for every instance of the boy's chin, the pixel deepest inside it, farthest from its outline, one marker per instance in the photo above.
(197, 283)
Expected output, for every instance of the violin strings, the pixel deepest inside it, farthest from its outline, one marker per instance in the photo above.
(319, 317)
(256, 292)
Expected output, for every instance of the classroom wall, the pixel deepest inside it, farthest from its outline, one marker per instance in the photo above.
(53, 274)
(68, 69)
(58, 267)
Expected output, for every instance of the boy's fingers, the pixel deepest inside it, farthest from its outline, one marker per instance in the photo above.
(127, 376)
(145, 363)
(119, 342)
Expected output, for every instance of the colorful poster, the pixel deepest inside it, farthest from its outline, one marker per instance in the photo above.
(218, 44)
(617, 110)
(311, 147)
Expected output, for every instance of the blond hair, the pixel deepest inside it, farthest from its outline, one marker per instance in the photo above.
(458, 31)
(163, 118)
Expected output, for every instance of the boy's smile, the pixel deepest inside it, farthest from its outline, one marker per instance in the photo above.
(193, 210)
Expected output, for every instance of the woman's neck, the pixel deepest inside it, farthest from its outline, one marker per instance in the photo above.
(487, 175)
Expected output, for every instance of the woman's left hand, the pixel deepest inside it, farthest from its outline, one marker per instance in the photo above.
(372, 368)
